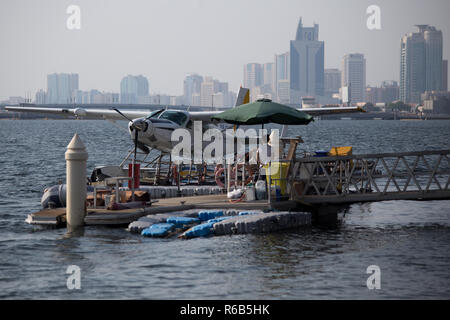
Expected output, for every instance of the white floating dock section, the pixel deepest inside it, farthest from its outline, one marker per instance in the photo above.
(161, 192)
(262, 223)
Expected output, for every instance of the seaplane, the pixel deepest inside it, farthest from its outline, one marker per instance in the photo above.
(153, 130)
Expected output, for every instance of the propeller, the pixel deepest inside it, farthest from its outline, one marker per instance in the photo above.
(141, 126)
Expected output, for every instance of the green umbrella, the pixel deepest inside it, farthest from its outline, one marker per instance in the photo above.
(264, 111)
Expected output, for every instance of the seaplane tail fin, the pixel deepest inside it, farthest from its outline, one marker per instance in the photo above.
(243, 96)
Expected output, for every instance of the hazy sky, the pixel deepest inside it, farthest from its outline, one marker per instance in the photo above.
(166, 39)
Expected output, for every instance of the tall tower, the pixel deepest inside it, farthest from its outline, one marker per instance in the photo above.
(253, 75)
(192, 85)
(433, 58)
(354, 76)
(61, 86)
(306, 64)
(332, 81)
(132, 88)
(444, 75)
(420, 63)
(282, 69)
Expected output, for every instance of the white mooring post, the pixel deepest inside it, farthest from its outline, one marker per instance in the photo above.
(76, 157)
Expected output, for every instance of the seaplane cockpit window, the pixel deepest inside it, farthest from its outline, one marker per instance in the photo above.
(175, 116)
(155, 113)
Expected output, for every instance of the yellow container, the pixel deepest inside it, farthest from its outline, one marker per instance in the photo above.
(340, 151)
(278, 170)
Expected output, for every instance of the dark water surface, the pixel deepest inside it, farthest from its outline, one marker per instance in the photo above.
(408, 240)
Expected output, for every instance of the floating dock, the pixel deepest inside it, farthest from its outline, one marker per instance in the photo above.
(56, 217)
(307, 184)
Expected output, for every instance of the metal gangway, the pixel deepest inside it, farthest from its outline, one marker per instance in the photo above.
(423, 175)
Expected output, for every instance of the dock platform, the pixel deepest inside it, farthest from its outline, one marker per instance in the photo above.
(310, 184)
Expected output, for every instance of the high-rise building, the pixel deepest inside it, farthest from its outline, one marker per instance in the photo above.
(433, 58)
(253, 75)
(444, 75)
(41, 97)
(134, 89)
(60, 87)
(269, 76)
(207, 92)
(142, 86)
(218, 100)
(354, 76)
(283, 91)
(332, 81)
(282, 69)
(196, 101)
(192, 84)
(387, 93)
(110, 97)
(420, 63)
(306, 64)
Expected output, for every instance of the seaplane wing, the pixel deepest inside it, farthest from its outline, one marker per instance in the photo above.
(330, 110)
(85, 113)
(206, 115)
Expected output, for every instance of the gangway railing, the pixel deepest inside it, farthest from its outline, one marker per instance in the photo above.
(371, 177)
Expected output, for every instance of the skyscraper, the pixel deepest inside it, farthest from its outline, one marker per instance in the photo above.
(60, 87)
(420, 63)
(283, 91)
(332, 81)
(433, 58)
(207, 92)
(306, 64)
(354, 76)
(444, 75)
(192, 84)
(134, 89)
(41, 97)
(282, 69)
(142, 86)
(253, 75)
(269, 76)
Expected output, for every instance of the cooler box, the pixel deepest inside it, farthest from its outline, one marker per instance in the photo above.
(278, 170)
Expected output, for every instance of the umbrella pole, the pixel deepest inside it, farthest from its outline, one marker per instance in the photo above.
(243, 175)
(269, 184)
(228, 177)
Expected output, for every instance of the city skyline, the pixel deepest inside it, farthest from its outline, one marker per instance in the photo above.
(165, 55)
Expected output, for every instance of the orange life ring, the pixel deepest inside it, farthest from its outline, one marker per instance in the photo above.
(218, 177)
